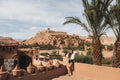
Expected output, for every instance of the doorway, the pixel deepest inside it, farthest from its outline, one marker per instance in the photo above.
(24, 61)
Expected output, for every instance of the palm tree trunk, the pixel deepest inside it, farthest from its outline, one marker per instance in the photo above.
(96, 51)
(116, 55)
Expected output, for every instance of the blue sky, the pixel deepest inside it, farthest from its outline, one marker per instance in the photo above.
(22, 19)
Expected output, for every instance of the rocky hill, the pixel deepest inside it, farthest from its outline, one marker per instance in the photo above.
(55, 38)
(7, 40)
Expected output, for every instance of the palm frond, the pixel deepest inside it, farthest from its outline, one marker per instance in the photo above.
(76, 20)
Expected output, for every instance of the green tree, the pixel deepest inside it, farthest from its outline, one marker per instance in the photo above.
(114, 18)
(94, 12)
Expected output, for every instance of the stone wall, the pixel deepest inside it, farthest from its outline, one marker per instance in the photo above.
(46, 75)
(50, 70)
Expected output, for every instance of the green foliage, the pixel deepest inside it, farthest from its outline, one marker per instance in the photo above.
(59, 57)
(83, 58)
(65, 51)
(106, 61)
(54, 52)
(89, 52)
(41, 46)
(46, 47)
(70, 48)
(79, 47)
(45, 54)
(25, 46)
(88, 44)
(110, 47)
(103, 46)
(51, 57)
(95, 12)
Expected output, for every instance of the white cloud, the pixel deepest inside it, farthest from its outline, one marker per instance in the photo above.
(30, 16)
(45, 12)
(33, 28)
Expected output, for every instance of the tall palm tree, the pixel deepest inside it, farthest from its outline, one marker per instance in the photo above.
(114, 18)
(94, 12)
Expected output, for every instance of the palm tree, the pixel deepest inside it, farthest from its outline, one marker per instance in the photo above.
(114, 18)
(94, 12)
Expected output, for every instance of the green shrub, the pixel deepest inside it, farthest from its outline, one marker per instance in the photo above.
(110, 47)
(41, 46)
(65, 51)
(88, 44)
(54, 52)
(59, 57)
(70, 48)
(45, 54)
(79, 58)
(103, 46)
(88, 53)
(106, 61)
(83, 58)
(80, 47)
(51, 57)
(46, 47)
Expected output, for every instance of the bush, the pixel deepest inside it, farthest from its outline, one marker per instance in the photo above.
(88, 44)
(83, 58)
(51, 57)
(65, 51)
(45, 54)
(103, 46)
(106, 61)
(80, 47)
(54, 52)
(41, 46)
(46, 47)
(110, 47)
(89, 52)
(59, 57)
(70, 48)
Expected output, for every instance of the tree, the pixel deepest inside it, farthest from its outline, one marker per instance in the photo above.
(114, 21)
(94, 12)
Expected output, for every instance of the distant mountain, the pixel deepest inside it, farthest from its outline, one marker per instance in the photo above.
(55, 38)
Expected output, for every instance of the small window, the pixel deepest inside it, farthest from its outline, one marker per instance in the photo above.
(36, 57)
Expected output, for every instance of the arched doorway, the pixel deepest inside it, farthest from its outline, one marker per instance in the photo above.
(24, 61)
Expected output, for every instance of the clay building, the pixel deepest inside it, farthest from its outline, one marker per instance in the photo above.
(10, 55)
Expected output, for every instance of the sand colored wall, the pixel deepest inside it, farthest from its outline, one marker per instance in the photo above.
(45, 75)
(94, 72)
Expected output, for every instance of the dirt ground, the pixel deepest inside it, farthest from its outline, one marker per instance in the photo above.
(92, 72)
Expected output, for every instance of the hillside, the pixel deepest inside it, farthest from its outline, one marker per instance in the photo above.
(58, 39)
(62, 39)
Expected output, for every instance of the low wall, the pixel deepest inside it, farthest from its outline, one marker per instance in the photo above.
(45, 75)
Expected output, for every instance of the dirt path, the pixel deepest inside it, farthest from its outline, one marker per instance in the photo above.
(92, 72)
